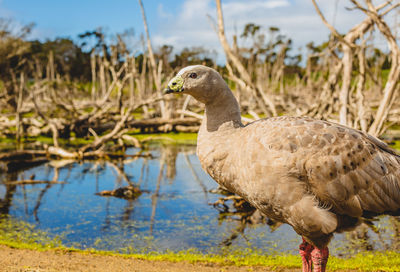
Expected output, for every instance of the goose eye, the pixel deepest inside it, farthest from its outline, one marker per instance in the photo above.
(193, 75)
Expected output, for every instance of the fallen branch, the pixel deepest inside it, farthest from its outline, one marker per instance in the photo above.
(30, 181)
(22, 155)
(128, 192)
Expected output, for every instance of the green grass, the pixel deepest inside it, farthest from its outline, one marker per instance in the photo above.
(168, 138)
(48, 140)
(21, 235)
(396, 145)
(172, 138)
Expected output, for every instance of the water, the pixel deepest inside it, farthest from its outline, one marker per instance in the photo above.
(173, 212)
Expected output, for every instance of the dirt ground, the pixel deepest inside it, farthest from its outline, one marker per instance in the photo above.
(23, 260)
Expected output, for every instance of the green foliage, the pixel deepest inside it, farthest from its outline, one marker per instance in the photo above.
(69, 59)
(251, 30)
(194, 55)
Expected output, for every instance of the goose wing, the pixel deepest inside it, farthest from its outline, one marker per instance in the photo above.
(346, 169)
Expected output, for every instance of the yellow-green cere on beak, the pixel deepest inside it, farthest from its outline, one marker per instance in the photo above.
(175, 85)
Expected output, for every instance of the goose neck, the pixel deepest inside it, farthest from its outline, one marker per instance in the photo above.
(222, 113)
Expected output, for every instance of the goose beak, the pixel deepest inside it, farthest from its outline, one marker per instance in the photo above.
(168, 91)
(175, 85)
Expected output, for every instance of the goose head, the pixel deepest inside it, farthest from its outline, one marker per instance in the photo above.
(201, 82)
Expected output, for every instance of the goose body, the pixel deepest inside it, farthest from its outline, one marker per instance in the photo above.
(317, 176)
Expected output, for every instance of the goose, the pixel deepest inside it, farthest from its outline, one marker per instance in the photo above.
(317, 176)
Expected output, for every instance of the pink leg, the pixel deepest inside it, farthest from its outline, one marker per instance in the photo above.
(305, 250)
(320, 258)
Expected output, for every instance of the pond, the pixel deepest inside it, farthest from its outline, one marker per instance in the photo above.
(173, 212)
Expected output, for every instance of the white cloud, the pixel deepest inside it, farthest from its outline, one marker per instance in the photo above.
(188, 28)
(244, 7)
(297, 19)
(193, 9)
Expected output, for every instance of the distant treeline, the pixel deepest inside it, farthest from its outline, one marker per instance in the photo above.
(72, 57)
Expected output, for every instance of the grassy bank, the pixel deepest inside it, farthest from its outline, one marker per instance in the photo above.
(378, 261)
(167, 138)
(21, 235)
(174, 138)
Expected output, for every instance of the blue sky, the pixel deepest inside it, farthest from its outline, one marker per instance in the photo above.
(181, 23)
(68, 18)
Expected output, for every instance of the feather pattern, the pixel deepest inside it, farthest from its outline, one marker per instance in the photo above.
(293, 168)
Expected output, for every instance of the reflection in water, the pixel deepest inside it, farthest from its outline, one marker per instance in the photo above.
(172, 209)
(8, 193)
(235, 208)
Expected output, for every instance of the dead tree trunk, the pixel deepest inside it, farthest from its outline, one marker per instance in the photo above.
(154, 67)
(346, 81)
(231, 56)
(394, 74)
(18, 118)
(348, 45)
(361, 113)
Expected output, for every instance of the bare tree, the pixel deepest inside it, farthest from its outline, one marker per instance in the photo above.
(245, 79)
(156, 69)
(349, 48)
